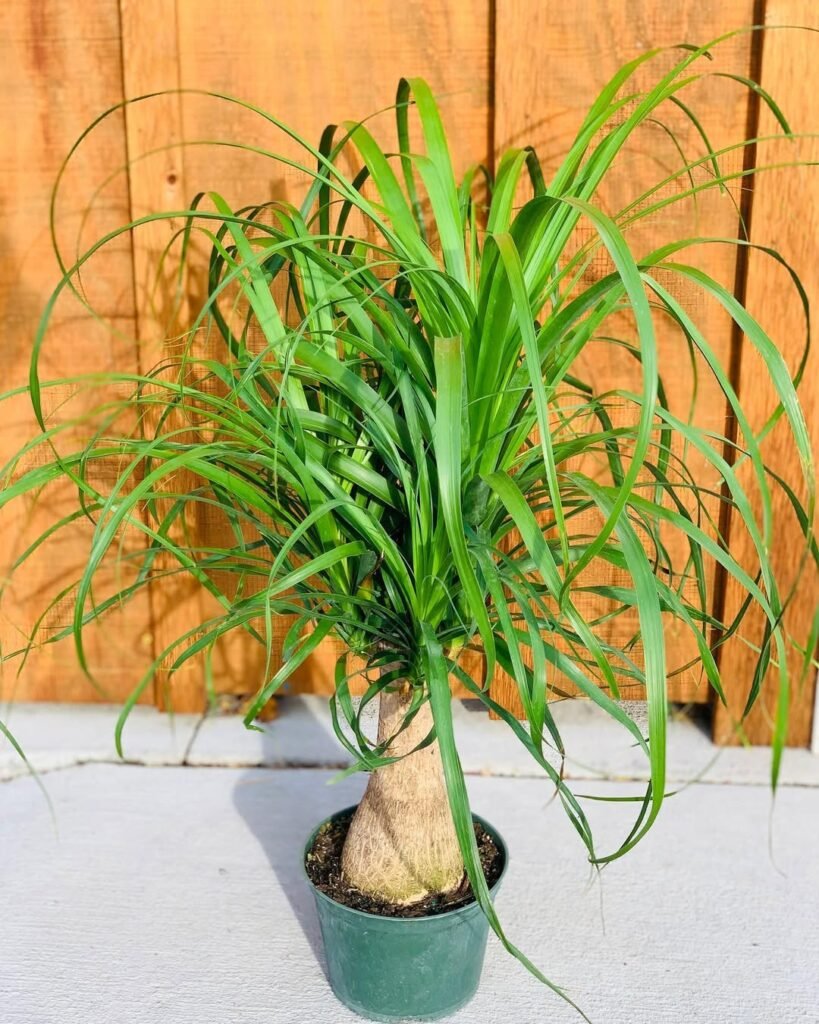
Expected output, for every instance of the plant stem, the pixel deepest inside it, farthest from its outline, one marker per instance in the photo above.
(402, 844)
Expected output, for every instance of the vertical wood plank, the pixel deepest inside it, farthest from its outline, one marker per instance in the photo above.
(785, 215)
(59, 68)
(551, 61)
(269, 56)
(154, 134)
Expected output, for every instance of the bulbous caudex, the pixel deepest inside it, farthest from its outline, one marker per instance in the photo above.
(402, 844)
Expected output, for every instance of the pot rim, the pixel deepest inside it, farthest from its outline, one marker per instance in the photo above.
(470, 907)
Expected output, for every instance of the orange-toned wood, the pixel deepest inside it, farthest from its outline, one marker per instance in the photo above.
(163, 50)
(361, 56)
(785, 214)
(156, 157)
(550, 64)
(60, 67)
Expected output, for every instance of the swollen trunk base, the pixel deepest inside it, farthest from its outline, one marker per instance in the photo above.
(402, 844)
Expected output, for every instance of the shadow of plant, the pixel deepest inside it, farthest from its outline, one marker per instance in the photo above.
(281, 808)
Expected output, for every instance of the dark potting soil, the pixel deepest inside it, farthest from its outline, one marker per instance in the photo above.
(323, 864)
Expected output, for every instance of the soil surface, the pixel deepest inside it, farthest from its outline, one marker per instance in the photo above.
(323, 865)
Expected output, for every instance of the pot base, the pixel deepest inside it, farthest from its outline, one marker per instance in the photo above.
(368, 1014)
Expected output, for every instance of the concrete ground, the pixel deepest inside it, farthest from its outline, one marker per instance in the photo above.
(168, 890)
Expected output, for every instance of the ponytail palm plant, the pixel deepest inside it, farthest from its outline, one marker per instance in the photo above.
(397, 431)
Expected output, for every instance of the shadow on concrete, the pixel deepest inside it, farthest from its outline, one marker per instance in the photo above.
(281, 807)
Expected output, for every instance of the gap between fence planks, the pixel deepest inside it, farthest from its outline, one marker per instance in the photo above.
(785, 215)
(549, 67)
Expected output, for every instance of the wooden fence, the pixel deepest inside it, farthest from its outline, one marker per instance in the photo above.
(508, 71)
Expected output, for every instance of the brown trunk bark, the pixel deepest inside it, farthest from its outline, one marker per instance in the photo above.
(402, 844)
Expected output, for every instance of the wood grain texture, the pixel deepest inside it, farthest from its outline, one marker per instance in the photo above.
(270, 57)
(59, 68)
(63, 63)
(550, 64)
(785, 215)
(129, 49)
(156, 157)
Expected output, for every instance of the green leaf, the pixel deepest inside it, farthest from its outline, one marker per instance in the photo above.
(437, 677)
(447, 440)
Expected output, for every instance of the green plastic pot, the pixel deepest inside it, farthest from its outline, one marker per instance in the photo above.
(393, 968)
